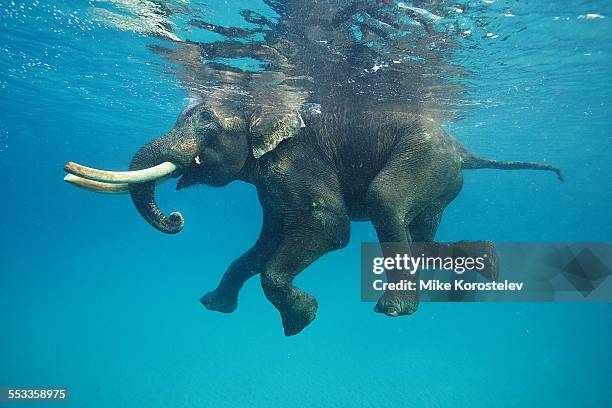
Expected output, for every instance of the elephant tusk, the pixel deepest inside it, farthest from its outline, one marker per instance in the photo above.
(97, 186)
(138, 176)
(102, 187)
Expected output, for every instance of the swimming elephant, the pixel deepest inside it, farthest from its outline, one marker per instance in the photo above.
(314, 173)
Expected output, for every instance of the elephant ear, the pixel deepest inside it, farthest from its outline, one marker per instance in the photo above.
(267, 130)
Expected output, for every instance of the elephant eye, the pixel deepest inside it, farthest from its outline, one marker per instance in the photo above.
(206, 115)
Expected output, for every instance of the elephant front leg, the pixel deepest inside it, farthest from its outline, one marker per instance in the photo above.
(297, 308)
(225, 297)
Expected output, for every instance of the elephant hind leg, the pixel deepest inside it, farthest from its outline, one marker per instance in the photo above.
(391, 210)
(424, 226)
(399, 200)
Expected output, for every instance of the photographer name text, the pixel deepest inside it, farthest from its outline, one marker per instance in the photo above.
(437, 285)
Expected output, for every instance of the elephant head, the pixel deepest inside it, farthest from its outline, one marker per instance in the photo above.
(206, 146)
(205, 149)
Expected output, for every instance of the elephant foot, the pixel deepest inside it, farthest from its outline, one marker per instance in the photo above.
(299, 314)
(393, 305)
(220, 301)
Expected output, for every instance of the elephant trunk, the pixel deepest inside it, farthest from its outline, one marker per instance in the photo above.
(143, 197)
(143, 194)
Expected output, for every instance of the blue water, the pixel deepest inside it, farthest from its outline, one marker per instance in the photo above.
(93, 299)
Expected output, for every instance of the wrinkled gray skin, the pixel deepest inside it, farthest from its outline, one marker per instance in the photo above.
(397, 170)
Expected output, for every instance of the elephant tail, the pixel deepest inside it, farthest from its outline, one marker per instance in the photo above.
(471, 161)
